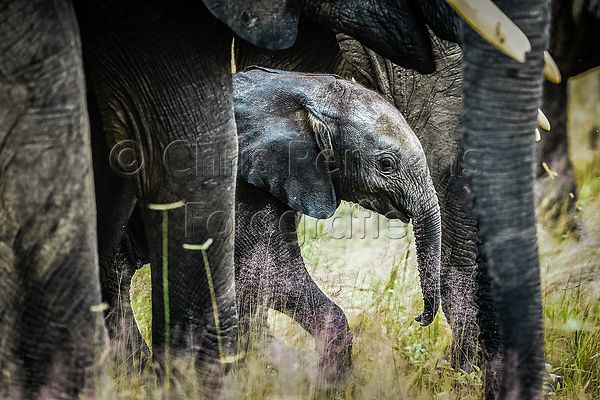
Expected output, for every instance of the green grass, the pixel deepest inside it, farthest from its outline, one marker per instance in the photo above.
(374, 279)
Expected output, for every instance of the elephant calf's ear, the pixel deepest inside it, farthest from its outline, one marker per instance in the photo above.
(280, 154)
(322, 135)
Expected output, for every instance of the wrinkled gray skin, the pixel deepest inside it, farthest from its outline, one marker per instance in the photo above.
(48, 262)
(307, 142)
(500, 114)
(143, 75)
(432, 105)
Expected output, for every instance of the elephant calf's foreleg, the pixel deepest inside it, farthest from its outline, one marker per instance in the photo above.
(297, 295)
(270, 272)
(459, 273)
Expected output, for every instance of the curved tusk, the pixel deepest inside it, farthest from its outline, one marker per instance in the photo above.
(494, 26)
(551, 70)
(543, 121)
(538, 135)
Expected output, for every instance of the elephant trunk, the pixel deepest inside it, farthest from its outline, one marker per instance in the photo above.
(501, 100)
(427, 228)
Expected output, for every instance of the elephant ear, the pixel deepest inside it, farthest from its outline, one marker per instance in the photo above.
(284, 147)
(271, 24)
(441, 19)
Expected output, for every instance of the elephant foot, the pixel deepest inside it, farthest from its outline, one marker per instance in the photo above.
(127, 344)
(493, 375)
(465, 353)
(459, 306)
(462, 360)
(335, 358)
(334, 371)
(253, 327)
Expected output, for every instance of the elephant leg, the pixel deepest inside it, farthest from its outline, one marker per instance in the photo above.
(465, 290)
(184, 316)
(50, 328)
(458, 289)
(556, 194)
(115, 200)
(499, 120)
(283, 284)
(253, 326)
(459, 272)
(127, 342)
(291, 290)
(270, 273)
(115, 278)
(490, 336)
(163, 81)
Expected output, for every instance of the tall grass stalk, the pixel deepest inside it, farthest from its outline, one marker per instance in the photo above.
(165, 287)
(211, 288)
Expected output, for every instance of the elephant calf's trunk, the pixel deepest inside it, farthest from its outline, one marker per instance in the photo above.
(428, 239)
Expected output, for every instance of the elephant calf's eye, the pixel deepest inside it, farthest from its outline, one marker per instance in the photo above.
(387, 165)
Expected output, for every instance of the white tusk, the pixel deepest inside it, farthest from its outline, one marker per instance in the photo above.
(543, 121)
(551, 70)
(538, 135)
(494, 26)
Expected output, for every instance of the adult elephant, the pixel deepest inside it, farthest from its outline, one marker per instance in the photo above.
(161, 75)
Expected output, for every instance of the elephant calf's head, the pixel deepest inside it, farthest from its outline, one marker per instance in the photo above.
(311, 140)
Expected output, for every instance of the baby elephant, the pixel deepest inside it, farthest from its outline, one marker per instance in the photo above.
(306, 142)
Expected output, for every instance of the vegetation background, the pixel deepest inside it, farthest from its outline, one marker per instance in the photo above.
(374, 280)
